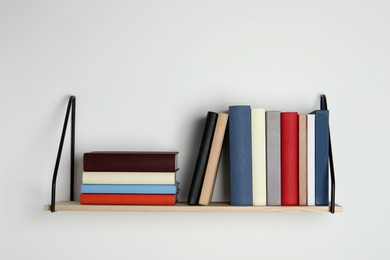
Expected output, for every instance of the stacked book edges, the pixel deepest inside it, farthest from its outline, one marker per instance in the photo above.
(130, 178)
(276, 158)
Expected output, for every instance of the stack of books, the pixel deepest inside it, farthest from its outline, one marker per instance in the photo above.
(276, 158)
(130, 178)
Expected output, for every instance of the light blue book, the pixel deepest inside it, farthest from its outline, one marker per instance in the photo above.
(129, 188)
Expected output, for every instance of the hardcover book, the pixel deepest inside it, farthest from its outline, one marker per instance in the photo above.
(128, 199)
(240, 156)
(321, 157)
(203, 155)
(129, 178)
(214, 158)
(311, 160)
(130, 161)
(259, 175)
(302, 160)
(273, 158)
(129, 188)
(289, 158)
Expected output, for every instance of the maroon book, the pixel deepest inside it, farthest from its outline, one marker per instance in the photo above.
(130, 161)
(289, 158)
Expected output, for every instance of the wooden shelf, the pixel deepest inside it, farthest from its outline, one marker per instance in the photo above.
(183, 207)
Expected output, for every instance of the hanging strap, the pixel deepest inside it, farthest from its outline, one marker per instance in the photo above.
(71, 106)
(324, 106)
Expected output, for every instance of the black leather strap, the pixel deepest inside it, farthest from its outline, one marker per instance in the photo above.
(324, 106)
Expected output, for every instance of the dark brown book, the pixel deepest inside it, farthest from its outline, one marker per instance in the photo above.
(130, 161)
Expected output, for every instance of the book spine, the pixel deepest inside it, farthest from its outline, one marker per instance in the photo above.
(289, 158)
(128, 188)
(311, 159)
(259, 178)
(214, 158)
(130, 162)
(240, 155)
(128, 178)
(321, 157)
(201, 162)
(273, 158)
(128, 199)
(302, 160)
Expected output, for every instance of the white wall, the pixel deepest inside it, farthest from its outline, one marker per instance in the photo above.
(145, 73)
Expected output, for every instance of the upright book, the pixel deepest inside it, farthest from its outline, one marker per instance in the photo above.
(321, 157)
(213, 161)
(273, 158)
(130, 161)
(311, 160)
(240, 156)
(302, 159)
(201, 161)
(259, 176)
(289, 158)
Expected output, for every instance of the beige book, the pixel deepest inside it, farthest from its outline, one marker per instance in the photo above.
(213, 161)
(129, 178)
(259, 167)
(302, 159)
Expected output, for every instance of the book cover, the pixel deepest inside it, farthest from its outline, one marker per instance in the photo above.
(302, 159)
(129, 188)
(259, 176)
(240, 156)
(311, 159)
(109, 161)
(213, 161)
(128, 178)
(321, 157)
(273, 158)
(128, 199)
(201, 161)
(289, 158)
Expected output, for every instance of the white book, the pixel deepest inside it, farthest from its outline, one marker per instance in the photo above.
(128, 178)
(259, 177)
(311, 159)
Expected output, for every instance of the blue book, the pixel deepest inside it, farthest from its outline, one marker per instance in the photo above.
(321, 157)
(129, 188)
(240, 155)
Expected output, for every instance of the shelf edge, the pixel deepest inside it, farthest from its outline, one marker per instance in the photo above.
(183, 207)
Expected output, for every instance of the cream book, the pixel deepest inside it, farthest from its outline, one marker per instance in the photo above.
(311, 159)
(213, 161)
(259, 169)
(129, 178)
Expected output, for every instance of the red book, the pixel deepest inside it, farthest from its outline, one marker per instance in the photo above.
(289, 158)
(128, 199)
(130, 162)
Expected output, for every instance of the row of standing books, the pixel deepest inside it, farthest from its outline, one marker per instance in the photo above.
(276, 158)
(129, 178)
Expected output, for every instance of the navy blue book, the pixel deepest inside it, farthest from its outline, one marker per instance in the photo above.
(202, 159)
(321, 157)
(240, 156)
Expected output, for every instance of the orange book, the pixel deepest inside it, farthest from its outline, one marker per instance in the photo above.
(128, 199)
